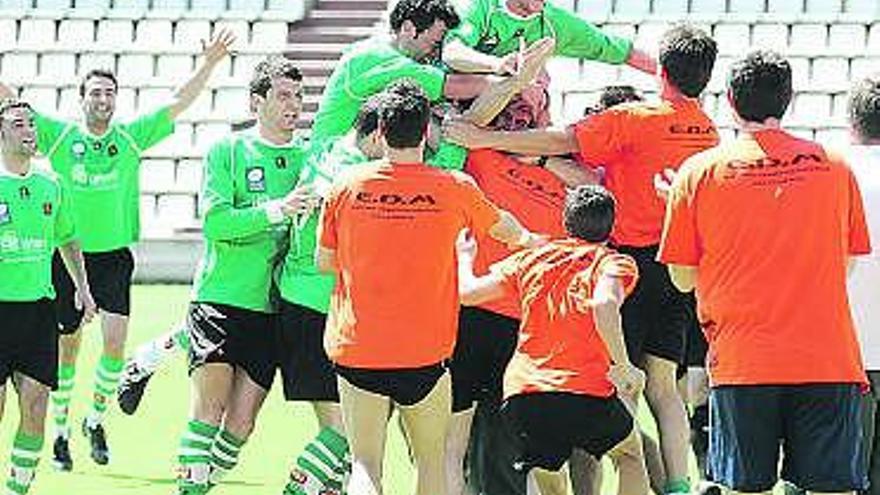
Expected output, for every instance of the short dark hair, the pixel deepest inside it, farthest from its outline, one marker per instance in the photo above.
(10, 103)
(864, 107)
(105, 73)
(617, 94)
(687, 54)
(423, 14)
(271, 67)
(404, 113)
(760, 86)
(589, 213)
(368, 117)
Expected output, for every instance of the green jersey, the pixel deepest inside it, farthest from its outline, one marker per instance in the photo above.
(364, 70)
(300, 281)
(489, 27)
(245, 233)
(102, 174)
(34, 219)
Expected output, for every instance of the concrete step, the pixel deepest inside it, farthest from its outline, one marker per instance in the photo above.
(349, 18)
(314, 51)
(378, 5)
(329, 34)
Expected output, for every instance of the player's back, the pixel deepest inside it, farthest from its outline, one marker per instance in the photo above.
(634, 142)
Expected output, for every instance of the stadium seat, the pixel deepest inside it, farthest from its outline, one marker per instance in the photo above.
(565, 73)
(835, 138)
(800, 73)
(864, 66)
(136, 66)
(78, 33)
(631, 7)
(69, 103)
(169, 4)
(208, 133)
(19, 67)
(176, 146)
(57, 67)
(92, 4)
(596, 76)
(873, 46)
(731, 38)
(231, 103)
(824, 7)
(157, 174)
(845, 38)
(746, 6)
(126, 103)
(53, 4)
(595, 9)
(189, 175)
(243, 66)
(574, 105)
(89, 61)
(116, 33)
(214, 7)
(44, 99)
(867, 7)
(708, 6)
(8, 28)
(16, 4)
(36, 34)
(201, 108)
(808, 39)
(241, 30)
(649, 34)
(173, 69)
(622, 29)
(152, 97)
(771, 36)
(718, 81)
(830, 74)
(811, 107)
(176, 210)
(153, 35)
(670, 7)
(189, 33)
(839, 109)
(268, 36)
(785, 6)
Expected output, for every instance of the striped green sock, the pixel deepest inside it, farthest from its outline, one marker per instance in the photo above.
(682, 485)
(106, 381)
(322, 465)
(61, 399)
(224, 455)
(25, 457)
(194, 457)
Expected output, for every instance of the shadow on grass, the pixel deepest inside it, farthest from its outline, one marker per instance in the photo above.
(167, 481)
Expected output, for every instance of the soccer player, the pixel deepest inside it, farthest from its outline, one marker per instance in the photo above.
(250, 193)
(35, 218)
(492, 33)
(864, 280)
(98, 160)
(764, 227)
(560, 385)
(633, 142)
(388, 231)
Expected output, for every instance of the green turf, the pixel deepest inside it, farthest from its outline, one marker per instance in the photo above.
(143, 447)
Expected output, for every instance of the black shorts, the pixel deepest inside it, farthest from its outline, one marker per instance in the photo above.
(239, 337)
(696, 346)
(306, 371)
(817, 426)
(549, 425)
(109, 277)
(404, 386)
(485, 344)
(656, 316)
(29, 341)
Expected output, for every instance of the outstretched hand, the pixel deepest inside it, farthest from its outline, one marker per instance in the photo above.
(218, 46)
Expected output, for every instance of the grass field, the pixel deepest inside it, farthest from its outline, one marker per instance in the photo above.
(143, 447)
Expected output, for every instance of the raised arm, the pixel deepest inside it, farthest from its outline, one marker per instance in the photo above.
(535, 142)
(215, 50)
(463, 58)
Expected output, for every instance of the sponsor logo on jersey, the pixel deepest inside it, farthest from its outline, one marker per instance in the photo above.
(5, 214)
(112, 150)
(97, 145)
(396, 199)
(256, 179)
(281, 162)
(78, 148)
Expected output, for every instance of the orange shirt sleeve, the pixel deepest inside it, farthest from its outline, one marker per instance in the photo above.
(327, 235)
(481, 213)
(680, 242)
(859, 239)
(599, 137)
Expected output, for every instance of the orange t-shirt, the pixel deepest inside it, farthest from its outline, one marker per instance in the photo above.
(535, 196)
(633, 142)
(393, 228)
(558, 339)
(770, 221)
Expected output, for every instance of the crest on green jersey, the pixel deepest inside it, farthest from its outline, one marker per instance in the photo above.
(256, 179)
(281, 162)
(78, 148)
(5, 214)
(112, 150)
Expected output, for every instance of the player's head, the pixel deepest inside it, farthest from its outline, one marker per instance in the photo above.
(864, 110)
(687, 55)
(404, 113)
(369, 140)
(97, 92)
(18, 136)
(612, 96)
(421, 25)
(525, 8)
(589, 213)
(530, 109)
(759, 86)
(276, 93)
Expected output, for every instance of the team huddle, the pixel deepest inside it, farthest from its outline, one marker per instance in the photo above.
(437, 247)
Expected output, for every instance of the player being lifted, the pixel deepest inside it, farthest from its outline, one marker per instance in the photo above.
(98, 160)
(35, 218)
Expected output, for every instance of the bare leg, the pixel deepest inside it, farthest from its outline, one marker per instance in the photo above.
(426, 424)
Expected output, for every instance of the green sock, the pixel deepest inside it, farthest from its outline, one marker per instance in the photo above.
(682, 485)
(224, 455)
(181, 338)
(322, 465)
(194, 457)
(61, 399)
(106, 381)
(25, 456)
